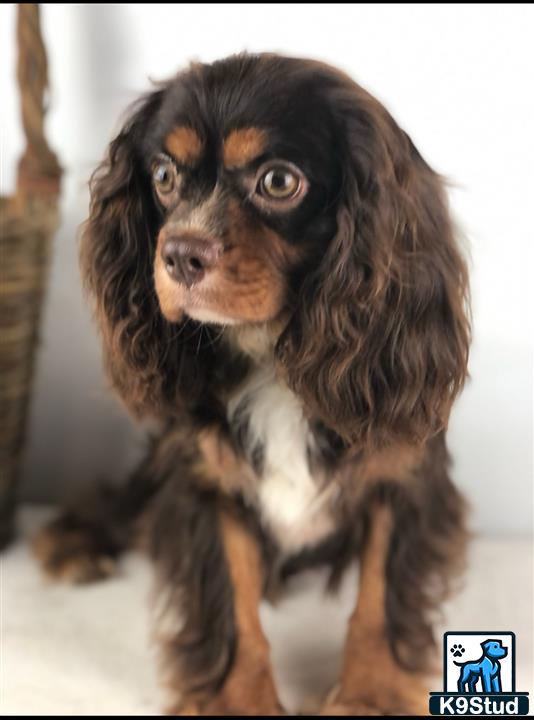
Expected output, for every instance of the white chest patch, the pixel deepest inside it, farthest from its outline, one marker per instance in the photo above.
(291, 502)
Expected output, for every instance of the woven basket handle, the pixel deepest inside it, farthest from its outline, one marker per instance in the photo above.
(39, 171)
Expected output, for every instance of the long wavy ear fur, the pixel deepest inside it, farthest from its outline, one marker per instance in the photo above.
(149, 360)
(378, 345)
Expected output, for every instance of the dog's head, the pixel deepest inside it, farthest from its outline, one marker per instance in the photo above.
(494, 649)
(275, 192)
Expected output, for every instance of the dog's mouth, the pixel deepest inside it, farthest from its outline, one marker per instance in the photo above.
(219, 297)
(197, 307)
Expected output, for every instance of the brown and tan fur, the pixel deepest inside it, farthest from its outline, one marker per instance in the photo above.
(184, 144)
(243, 146)
(343, 305)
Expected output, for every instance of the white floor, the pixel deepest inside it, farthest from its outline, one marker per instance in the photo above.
(76, 651)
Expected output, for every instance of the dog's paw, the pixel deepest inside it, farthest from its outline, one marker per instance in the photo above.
(185, 709)
(361, 709)
(354, 709)
(221, 709)
(369, 708)
(457, 650)
(361, 699)
(72, 552)
(261, 703)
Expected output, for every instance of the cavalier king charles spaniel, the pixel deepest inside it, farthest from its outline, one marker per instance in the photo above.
(278, 282)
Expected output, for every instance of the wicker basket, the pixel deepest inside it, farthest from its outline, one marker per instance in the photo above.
(27, 223)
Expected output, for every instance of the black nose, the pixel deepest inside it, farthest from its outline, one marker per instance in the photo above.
(188, 258)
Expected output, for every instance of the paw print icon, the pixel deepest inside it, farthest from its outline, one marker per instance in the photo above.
(457, 650)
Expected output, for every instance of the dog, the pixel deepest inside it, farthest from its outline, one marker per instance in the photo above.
(279, 286)
(487, 669)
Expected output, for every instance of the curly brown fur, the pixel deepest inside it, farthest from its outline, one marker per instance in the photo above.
(426, 556)
(277, 278)
(388, 298)
(194, 582)
(85, 541)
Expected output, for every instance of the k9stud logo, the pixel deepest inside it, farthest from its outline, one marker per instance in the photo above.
(478, 676)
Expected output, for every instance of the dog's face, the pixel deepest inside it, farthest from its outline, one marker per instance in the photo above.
(271, 190)
(245, 173)
(494, 649)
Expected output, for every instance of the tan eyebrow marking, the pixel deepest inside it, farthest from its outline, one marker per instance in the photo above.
(184, 144)
(243, 146)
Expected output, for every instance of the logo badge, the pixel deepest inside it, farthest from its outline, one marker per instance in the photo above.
(478, 676)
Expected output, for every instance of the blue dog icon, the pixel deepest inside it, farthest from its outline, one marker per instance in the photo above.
(487, 669)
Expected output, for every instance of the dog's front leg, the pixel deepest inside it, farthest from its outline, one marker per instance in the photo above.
(486, 677)
(372, 682)
(216, 657)
(249, 687)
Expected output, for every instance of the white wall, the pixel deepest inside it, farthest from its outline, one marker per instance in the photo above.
(459, 79)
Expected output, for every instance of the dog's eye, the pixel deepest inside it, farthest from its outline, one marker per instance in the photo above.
(277, 186)
(279, 183)
(164, 177)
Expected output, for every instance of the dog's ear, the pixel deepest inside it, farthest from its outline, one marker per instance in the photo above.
(151, 364)
(378, 345)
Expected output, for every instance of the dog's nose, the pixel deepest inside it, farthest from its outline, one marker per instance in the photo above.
(188, 258)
